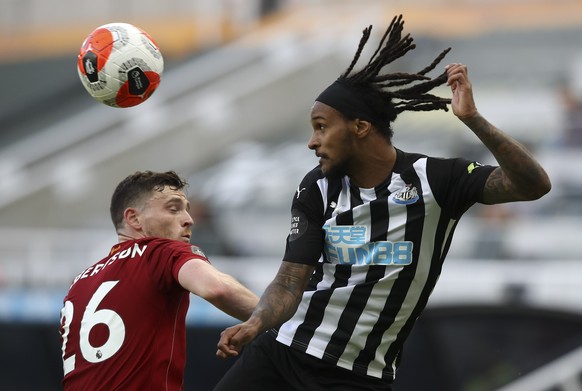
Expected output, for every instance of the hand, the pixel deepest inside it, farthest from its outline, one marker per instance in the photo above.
(234, 338)
(462, 101)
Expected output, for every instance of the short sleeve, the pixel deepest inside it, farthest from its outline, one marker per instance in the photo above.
(457, 183)
(168, 257)
(305, 240)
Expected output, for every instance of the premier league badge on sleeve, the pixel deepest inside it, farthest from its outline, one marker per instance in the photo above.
(473, 166)
(196, 250)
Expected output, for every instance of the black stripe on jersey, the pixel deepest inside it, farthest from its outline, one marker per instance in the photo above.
(314, 315)
(382, 190)
(316, 277)
(358, 298)
(379, 220)
(401, 286)
(355, 197)
(349, 318)
(435, 270)
(345, 218)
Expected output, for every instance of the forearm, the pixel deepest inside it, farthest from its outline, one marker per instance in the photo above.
(276, 306)
(220, 289)
(521, 177)
(234, 299)
(282, 297)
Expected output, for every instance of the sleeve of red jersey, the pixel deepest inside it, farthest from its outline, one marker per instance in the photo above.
(168, 257)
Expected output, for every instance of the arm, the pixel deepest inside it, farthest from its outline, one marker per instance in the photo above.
(278, 303)
(219, 289)
(519, 176)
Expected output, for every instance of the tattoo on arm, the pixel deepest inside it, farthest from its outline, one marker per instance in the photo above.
(281, 298)
(496, 190)
(519, 176)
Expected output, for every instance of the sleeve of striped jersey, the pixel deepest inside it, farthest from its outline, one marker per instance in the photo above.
(457, 184)
(168, 256)
(305, 240)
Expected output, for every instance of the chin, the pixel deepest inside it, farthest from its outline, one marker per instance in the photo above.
(333, 172)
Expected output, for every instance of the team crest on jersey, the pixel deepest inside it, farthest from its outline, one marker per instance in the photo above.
(405, 196)
(114, 249)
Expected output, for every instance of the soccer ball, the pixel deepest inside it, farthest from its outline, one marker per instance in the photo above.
(120, 65)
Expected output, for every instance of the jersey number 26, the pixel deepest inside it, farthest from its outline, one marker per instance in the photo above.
(91, 318)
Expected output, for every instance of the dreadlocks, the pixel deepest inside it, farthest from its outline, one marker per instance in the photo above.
(379, 98)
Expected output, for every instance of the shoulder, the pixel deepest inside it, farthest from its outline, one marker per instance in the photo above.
(405, 160)
(311, 181)
(460, 166)
(173, 247)
(312, 176)
(435, 164)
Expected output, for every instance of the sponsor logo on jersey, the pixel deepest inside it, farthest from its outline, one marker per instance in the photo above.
(346, 244)
(405, 196)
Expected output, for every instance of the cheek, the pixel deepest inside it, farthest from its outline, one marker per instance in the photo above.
(339, 147)
(157, 225)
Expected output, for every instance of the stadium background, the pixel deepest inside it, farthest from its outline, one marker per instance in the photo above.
(231, 115)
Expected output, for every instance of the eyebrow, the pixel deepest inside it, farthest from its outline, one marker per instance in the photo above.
(178, 200)
(318, 117)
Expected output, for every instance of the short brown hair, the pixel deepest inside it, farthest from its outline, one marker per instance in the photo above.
(130, 191)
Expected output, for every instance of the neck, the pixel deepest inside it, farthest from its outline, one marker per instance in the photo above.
(123, 236)
(375, 166)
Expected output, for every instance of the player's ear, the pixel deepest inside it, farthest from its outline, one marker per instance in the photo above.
(362, 127)
(131, 217)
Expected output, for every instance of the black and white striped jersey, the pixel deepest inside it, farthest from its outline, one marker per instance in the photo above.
(378, 254)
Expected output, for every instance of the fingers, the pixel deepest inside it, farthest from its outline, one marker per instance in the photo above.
(234, 338)
(456, 73)
(225, 352)
(227, 345)
(462, 102)
(454, 67)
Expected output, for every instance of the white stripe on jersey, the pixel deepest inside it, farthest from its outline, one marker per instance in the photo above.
(367, 321)
(422, 272)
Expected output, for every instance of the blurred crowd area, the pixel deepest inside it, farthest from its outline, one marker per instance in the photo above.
(37, 28)
(51, 28)
(232, 109)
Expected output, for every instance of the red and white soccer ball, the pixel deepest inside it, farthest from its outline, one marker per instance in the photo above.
(120, 65)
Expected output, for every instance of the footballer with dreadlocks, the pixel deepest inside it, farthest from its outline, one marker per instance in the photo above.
(370, 228)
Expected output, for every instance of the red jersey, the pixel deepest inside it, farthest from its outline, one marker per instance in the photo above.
(123, 320)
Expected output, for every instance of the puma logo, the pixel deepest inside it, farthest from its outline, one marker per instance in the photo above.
(299, 191)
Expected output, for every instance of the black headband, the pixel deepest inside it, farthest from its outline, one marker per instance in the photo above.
(351, 102)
